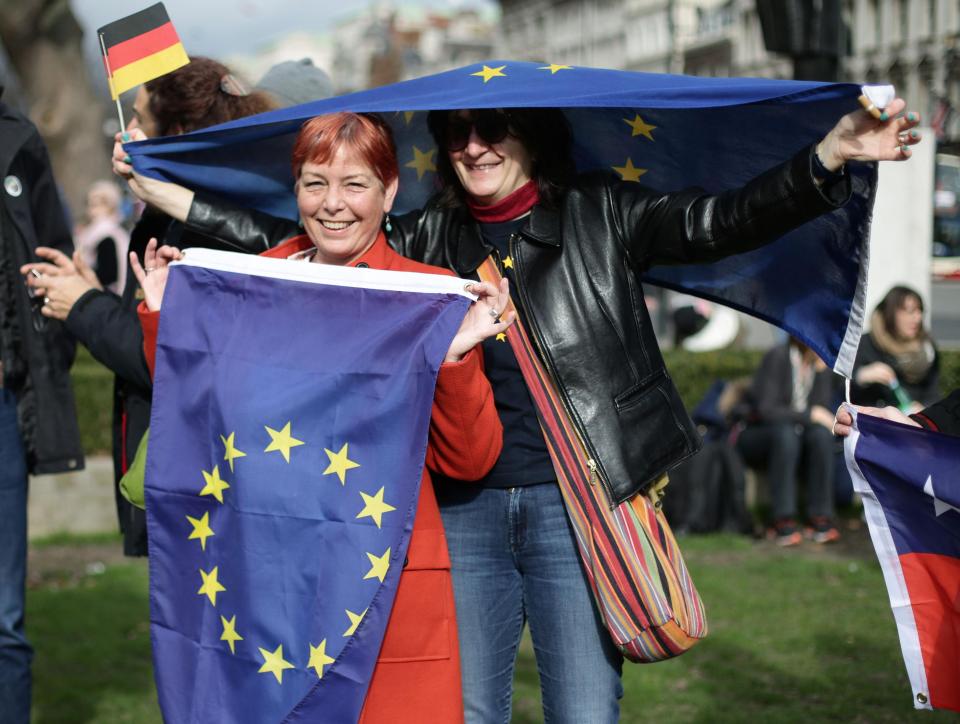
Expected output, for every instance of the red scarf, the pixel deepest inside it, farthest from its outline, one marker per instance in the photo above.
(515, 204)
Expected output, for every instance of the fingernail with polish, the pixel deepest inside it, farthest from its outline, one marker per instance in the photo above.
(911, 117)
(125, 136)
(884, 116)
(127, 159)
(914, 133)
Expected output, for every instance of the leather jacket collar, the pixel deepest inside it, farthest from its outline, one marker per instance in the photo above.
(542, 227)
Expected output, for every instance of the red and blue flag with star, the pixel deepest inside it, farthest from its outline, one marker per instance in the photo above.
(291, 407)
(909, 480)
(668, 132)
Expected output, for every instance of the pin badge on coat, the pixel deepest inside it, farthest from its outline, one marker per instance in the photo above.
(13, 185)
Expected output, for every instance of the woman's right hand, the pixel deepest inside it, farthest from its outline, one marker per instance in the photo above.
(152, 275)
(876, 373)
(843, 424)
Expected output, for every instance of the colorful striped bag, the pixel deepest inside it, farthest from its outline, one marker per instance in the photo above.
(636, 571)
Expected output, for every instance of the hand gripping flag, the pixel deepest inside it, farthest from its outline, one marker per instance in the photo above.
(909, 479)
(668, 132)
(287, 443)
(140, 47)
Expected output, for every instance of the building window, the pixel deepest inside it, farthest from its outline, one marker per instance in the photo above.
(877, 23)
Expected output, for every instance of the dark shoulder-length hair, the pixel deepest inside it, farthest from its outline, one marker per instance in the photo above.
(894, 300)
(202, 93)
(544, 133)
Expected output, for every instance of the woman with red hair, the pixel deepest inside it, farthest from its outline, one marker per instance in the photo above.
(345, 167)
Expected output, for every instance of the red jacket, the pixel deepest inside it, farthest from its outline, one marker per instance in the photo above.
(417, 677)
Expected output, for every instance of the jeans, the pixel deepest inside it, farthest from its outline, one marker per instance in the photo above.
(515, 560)
(15, 651)
(785, 448)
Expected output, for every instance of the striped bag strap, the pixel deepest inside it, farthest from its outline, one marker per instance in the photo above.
(636, 572)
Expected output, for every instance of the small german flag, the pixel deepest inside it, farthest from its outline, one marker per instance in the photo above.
(140, 47)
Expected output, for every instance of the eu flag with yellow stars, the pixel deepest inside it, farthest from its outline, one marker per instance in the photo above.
(288, 435)
(668, 132)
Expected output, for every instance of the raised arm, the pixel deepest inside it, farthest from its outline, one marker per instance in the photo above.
(245, 229)
(693, 226)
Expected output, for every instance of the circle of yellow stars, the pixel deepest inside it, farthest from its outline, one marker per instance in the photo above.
(374, 507)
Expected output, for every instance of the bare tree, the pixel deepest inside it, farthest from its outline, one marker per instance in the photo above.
(44, 42)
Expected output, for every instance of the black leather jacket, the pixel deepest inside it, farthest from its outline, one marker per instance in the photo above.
(577, 271)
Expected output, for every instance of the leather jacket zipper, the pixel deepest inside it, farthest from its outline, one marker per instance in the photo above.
(592, 463)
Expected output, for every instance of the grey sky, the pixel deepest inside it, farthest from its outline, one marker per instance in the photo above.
(222, 28)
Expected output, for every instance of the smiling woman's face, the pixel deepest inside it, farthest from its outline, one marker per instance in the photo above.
(490, 172)
(342, 203)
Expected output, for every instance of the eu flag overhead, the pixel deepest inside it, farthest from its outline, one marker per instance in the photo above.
(668, 132)
(909, 479)
(287, 442)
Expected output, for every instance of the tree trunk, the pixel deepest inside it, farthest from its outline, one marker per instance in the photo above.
(43, 40)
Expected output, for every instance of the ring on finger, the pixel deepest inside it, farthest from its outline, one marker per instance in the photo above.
(493, 313)
(149, 269)
(46, 301)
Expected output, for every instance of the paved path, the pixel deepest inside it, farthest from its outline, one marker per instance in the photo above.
(79, 502)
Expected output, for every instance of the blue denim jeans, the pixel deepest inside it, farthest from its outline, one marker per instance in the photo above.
(15, 651)
(515, 560)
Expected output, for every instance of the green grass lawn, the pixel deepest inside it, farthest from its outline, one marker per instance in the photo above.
(795, 636)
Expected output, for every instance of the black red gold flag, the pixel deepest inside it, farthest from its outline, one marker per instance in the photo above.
(140, 47)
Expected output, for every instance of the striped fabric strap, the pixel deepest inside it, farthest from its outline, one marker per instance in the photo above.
(628, 603)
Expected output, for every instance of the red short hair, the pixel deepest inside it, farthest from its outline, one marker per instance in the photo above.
(367, 134)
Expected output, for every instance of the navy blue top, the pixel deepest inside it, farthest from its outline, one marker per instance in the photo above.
(525, 459)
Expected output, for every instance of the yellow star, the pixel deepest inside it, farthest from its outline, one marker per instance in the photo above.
(407, 117)
(230, 634)
(319, 658)
(508, 263)
(487, 73)
(553, 68)
(201, 529)
(282, 440)
(230, 453)
(215, 486)
(374, 507)
(629, 172)
(211, 586)
(502, 337)
(355, 619)
(339, 463)
(639, 127)
(378, 566)
(423, 162)
(274, 663)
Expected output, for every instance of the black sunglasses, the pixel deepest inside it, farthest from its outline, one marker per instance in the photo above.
(492, 126)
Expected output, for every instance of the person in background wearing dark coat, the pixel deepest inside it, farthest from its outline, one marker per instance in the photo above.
(793, 394)
(897, 363)
(38, 421)
(200, 94)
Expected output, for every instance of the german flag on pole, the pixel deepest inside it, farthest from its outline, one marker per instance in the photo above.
(140, 47)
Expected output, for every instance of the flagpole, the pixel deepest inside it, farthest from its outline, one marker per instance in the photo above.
(116, 96)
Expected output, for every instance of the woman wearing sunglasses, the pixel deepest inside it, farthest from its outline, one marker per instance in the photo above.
(573, 248)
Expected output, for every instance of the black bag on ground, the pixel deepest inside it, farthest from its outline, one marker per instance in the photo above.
(707, 492)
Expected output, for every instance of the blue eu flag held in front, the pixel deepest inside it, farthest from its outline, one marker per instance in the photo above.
(289, 428)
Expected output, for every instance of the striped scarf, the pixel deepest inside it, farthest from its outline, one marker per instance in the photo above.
(636, 571)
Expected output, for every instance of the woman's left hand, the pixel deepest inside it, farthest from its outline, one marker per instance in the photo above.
(60, 280)
(483, 319)
(858, 136)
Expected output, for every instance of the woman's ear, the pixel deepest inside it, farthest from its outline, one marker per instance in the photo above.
(389, 194)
